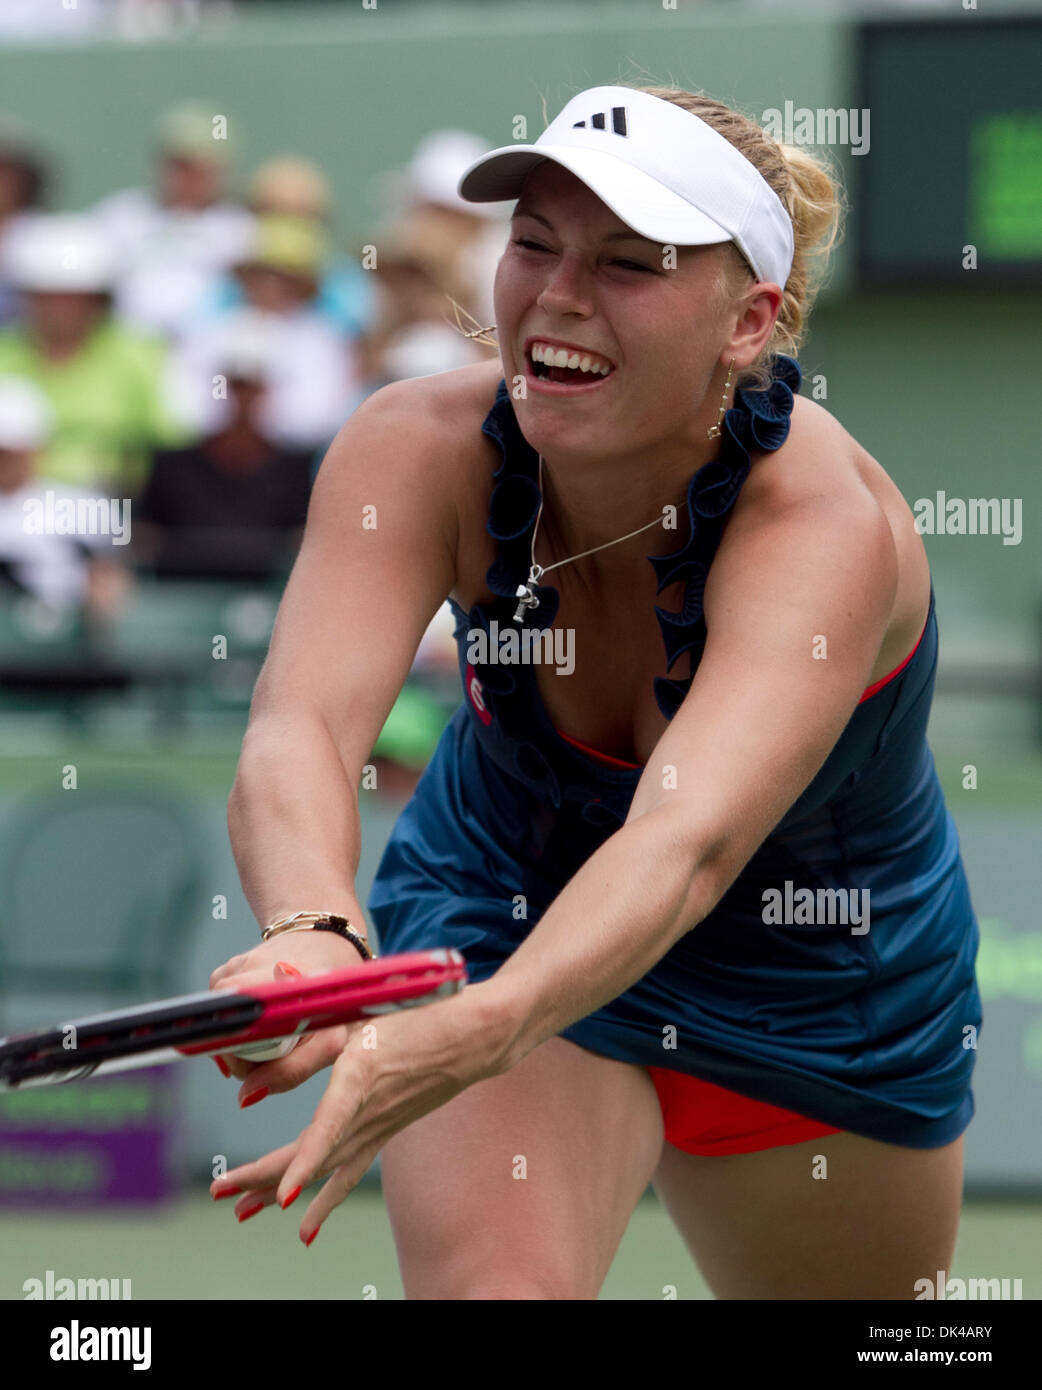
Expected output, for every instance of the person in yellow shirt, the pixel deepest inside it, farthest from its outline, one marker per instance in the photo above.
(102, 380)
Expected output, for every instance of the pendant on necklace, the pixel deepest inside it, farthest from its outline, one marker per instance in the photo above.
(526, 594)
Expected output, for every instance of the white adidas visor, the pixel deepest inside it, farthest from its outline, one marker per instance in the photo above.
(663, 171)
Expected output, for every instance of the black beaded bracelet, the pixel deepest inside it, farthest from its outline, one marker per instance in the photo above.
(343, 928)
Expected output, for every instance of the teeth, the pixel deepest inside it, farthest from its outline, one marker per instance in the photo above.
(563, 357)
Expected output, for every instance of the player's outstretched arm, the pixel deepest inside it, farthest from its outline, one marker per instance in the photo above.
(376, 561)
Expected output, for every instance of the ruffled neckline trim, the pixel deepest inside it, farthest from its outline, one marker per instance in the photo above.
(757, 420)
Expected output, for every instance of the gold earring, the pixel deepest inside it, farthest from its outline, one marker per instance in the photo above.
(714, 431)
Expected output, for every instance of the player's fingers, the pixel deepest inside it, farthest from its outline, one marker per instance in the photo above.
(240, 972)
(318, 1148)
(261, 1173)
(242, 1067)
(237, 1066)
(341, 1183)
(313, 1052)
(283, 971)
(242, 978)
(231, 976)
(253, 1203)
(223, 971)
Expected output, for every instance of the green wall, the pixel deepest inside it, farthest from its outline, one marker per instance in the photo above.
(939, 389)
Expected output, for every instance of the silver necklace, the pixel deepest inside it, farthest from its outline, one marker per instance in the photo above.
(525, 593)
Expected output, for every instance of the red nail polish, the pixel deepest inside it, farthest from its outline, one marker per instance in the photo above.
(250, 1211)
(223, 1066)
(254, 1097)
(227, 1192)
(290, 969)
(291, 1198)
(313, 1234)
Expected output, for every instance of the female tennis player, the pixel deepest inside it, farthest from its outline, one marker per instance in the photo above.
(690, 840)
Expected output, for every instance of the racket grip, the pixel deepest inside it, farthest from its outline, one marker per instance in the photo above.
(270, 1050)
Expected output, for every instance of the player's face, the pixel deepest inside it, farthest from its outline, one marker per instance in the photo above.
(575, 276)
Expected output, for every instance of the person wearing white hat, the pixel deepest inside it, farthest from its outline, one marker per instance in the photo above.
(231, 504)
(60, 568)
(436, 259)
(423, 202)
(103, 381)
(684, 827)
(174, 240)
(314, 383)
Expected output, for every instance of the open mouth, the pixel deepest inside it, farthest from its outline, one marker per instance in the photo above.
(567, 366)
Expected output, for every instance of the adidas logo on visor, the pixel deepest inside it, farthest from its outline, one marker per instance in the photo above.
(598, 121)
(676, 179)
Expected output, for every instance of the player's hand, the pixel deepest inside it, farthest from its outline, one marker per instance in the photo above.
(391, 1071)
(304, 953)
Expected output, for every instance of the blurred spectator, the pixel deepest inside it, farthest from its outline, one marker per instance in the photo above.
(435, 249)
(22, 183)
(79, 570)
(103, 382)
(298, 187)
(412, 334)
(173, 243)
(314, 384)
(476, 232)
(231, 505)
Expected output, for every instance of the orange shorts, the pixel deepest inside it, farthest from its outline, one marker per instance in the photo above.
(702, 1118)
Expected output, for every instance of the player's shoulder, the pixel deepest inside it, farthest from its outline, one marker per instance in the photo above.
(441, 407)
(820, 488)
(437, 419)
(820, 462)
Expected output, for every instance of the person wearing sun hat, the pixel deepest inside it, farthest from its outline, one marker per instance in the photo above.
(422, 201)
(299, 186)
(314, 386)
(231, 503)
(173, 240)
(282, 263)
(104, 381)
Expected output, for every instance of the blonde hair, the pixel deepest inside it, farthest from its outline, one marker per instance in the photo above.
(812, 196)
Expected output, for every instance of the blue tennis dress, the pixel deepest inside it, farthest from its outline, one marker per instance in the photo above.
(872, 1032)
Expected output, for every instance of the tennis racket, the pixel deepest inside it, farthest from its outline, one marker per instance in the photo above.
(257, 1023)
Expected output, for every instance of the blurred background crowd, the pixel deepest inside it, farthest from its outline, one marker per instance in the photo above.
(193, 346)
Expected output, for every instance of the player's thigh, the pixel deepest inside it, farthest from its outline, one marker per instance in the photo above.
(837, 1217)
(522, 1185)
